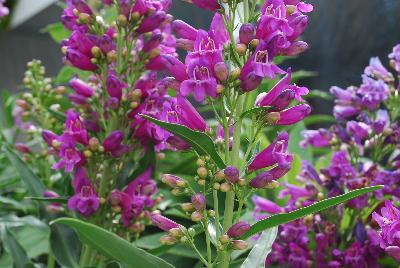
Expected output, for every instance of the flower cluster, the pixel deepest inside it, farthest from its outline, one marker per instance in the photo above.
(364, 143)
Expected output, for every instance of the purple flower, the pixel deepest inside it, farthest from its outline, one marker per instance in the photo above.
(4, 11)
(246, 33)
(358, 130)
(113, 144)
(49, 137)
(85, 199)
(316, 138)
(231, 174)
(275, 153)
(293, 115)
(199, 202)
(377, 70)
(395, 58)
(184, 30)
(294, 191)
(81, 88)
(163, 223)
(261, 180)
(79, 50)
(188, 116)
(381, 122)
(74, 126)
(280, 90)
(207, 4)
(114, 86)
(152, 22)
(263, 205)
(373, 92)
(238, 229)
(69, 154)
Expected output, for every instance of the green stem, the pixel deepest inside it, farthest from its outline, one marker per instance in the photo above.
(199, 254)
(86, 256)
(216, 208)
(208, 242)
(51, 262)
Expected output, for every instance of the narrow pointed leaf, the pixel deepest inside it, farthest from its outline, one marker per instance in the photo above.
(261, 249)
(255, 110)
(33, 184)
(283, 218)
(14, 248)
(65, 245)
(201, 142)
(112, 245)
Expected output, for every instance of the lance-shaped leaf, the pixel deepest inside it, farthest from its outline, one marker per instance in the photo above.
(201, 142)
(15, 249)
(261, 249)
(256, 111)
(33, 184)
(112, 245)
(283, 218)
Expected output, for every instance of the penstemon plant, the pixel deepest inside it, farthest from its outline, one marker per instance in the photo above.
(129, 105)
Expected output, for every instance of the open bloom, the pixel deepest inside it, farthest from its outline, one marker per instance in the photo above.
(275, 153)
(85, 199)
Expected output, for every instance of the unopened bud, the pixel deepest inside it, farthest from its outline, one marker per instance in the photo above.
(211, 213)
(55, 144)
(221, 71)
(224, 239)
(200, 162)
(135, 16)
(84, 18)
(176, 232)
(93, 144)
(112, 56)
(122, 20)
(202, 172)
(254, 43)
(246, 33)
(96, 52)
(220, 88)
(216, 186)
(219, 176)
(290, 9)
(239, 244)
(168, 240)
(197, 216)
(235, 73)
(241, 49)
(87, 154)
(272, 185)
(242, 182)
(134, 104)
(187, 207)
(201, 182)
(226, 187)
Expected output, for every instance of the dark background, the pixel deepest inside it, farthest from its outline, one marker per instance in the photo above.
(343, 35)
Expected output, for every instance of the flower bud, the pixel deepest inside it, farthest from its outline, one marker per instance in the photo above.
(187, 207)
(242, 182)
(239, 244)
(221, 71)
(261, 180)
(22, 103)
(246, 33)
(272, 185)
(22, 148)
(168, 240)
(122, 20)
(211, 213)
(241, 49)
(200, 162)
(235, 73)
(231, 174)
(111, 56)
(254, 43)
(201, 182)
(219, 176)
(93, 144)
(226, 187)
(238, 229)
(199, 202)
(273, 117)
(224, 239)
(216, 186)
(192, 232)
(202, 172)
(163, 223)
(49, 137)
(170, 180)
(113, 141)
(197, 216)
(176, 232)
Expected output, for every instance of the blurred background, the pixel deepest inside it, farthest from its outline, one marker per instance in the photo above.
(343, 35)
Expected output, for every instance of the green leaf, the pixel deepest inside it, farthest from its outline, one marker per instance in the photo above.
(294, 143)
(14, 248)
(283, 218)
(319, 119)
(13, 203)
(57, 31)
(58, 115)
(255, 110)
(34, 185)
(14, 221)
(61, 199)
(201, 142)
(261, 249)
(67, 72)
(65, 245)
(112, 245)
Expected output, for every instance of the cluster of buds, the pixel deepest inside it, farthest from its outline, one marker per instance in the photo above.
(231, 238)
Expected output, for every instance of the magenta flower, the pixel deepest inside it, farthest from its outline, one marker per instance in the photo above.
(377, 70)
(246, 33)
(358, 130)
(85, 199)
(199, 202)
(184, 30)
(282, 88)
(69, 154)
(263, 206)
(294, 191)
(238, 229)
(389, 221)
(231, 174)
(188, 116)
(4, 11)
(152, 22)
(207, 4)
(113, 144)
(275, 153)
(373, 92)
(293, 115)
(81, 87)
(49, 137)
(163, 223)
(261, 180)
(316, 138)
(78, 52)
(395, 58)
(74, 126)
(143, 187)
(114, 86)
